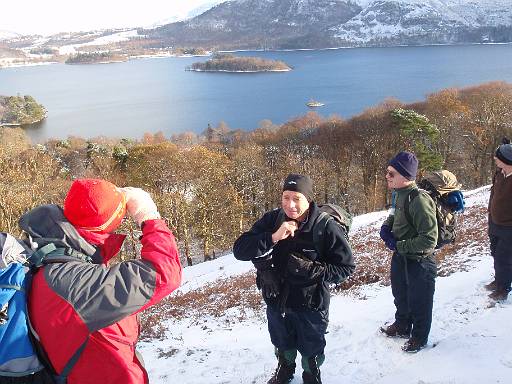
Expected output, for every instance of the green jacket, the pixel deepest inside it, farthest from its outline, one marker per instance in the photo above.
(418, 238)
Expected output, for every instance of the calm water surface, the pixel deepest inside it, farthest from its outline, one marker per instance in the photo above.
(151, 95)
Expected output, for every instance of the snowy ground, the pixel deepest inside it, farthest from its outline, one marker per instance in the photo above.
(469, 343)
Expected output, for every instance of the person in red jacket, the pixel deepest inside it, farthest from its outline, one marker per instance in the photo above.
(84, 310)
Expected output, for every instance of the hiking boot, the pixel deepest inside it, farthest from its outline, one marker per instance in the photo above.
(413, 345)
(499, 294)
(395, 330)
(309, 378)
(491, 286)
(283, 374)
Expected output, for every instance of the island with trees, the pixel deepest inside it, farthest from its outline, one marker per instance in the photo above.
(20, 110)
(97, 58)
(224, 62)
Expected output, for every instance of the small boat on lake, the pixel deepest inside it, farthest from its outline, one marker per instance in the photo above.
(314, 104)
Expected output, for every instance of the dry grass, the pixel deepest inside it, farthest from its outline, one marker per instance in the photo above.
(212, 301)
(235, 299)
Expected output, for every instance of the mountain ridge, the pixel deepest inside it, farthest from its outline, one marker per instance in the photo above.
(282, 24)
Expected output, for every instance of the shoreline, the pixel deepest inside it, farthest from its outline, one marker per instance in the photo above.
(361, 47)
(99, 62)
(10, 64)
(17, 125)
(167, 55)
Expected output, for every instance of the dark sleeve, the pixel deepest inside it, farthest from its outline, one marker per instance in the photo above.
(338, 262)
(491, 196)
(256, 244)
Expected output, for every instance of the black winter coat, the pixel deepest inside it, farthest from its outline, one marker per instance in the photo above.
(298, 293)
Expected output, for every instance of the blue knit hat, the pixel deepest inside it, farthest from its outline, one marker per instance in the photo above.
(406, 164)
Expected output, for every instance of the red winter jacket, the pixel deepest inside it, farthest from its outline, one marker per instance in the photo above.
(73, 302)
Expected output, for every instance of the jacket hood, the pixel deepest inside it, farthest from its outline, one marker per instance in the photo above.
(47, 224)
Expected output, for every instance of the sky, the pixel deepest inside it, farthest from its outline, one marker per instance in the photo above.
(52, 16)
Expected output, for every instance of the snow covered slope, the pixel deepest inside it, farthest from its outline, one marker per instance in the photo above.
(469, 343)
(7, 35)
(426, 20)
(281, 24)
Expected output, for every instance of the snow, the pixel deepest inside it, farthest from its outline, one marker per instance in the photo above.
(12, 62)
(103, 40)
(436, 14)
(8, 35)
(115, 37)
(469, 342)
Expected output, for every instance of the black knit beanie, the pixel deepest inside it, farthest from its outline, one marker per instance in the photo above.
(299, 183)
(504, 152)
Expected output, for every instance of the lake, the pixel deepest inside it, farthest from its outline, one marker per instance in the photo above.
(157, 94)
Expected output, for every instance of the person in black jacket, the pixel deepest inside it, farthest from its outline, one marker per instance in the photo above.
(294, 277)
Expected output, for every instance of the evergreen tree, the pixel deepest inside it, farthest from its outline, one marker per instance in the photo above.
(420, 136)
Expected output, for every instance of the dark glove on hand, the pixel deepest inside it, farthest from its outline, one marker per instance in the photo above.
(302, 267)
(387, 236)
(298, 265)
(391, 244)
(270, 284)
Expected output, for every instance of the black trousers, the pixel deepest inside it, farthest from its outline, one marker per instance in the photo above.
(413, 286)
(301, 330)
(501, 250)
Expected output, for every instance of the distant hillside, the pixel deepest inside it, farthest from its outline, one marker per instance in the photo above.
(283, 24)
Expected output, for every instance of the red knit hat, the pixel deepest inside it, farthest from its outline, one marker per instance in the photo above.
(94, 205)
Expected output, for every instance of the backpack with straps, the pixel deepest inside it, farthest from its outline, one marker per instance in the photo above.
(18, 356)
(21, 353)
(328, 212)
(442, 187)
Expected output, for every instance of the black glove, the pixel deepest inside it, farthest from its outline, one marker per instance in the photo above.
(270, 283)
(300, 266)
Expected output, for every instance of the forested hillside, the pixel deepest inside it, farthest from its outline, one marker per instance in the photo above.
(213, 186)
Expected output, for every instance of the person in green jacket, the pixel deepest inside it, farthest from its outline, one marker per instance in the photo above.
(412, 236)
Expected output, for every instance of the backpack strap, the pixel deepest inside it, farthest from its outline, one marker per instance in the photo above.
(319, 230)
(63, 377)
(45, 252)
(50, 253)
(411, 196)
